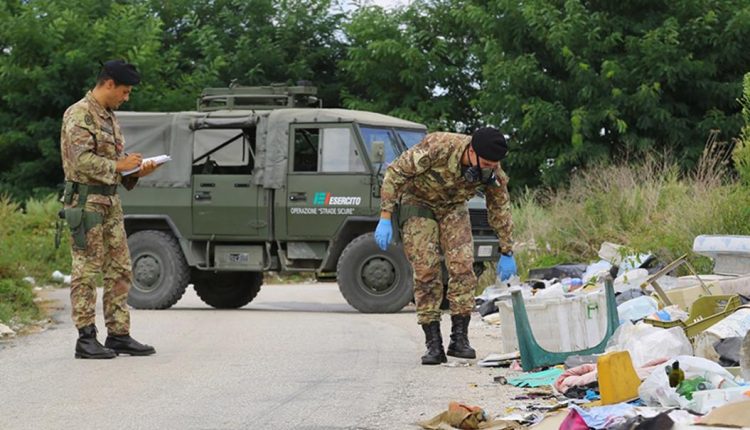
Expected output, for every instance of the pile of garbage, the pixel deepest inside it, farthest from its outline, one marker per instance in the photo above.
(622, 343)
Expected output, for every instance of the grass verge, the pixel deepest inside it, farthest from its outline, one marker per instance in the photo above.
(27, 249)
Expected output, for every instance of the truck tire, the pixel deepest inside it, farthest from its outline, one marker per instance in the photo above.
(373, 280)
(227, 290)
(160, 272)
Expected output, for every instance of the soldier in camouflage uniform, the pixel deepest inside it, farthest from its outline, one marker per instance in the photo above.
(430, 185)
(91, 146)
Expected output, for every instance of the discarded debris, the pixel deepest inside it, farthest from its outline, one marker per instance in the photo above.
(6, 332)
(499, 360)
(58, 276)
(666, 349)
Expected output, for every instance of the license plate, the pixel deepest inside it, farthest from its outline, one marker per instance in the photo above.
(484, 251)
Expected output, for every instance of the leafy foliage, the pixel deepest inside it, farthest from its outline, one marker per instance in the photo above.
(741, 153)
(49, 54)
(420, 63)
(580, 82)
(26, 249)
(575, 82)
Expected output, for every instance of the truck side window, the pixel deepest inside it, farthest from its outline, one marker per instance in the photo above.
(339, 152)
(306, 149)
(224, 151)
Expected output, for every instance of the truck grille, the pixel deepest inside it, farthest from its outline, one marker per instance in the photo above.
(480, 224)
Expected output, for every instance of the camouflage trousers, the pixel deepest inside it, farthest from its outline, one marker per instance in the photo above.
(106, 255)
(423, 239)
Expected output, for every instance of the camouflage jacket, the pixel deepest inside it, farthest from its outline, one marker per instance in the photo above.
(430, 175)
(90, 145)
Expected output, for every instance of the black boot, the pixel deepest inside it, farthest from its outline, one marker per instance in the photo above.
(127, 345)
(459, 345)
(88, 346)
(434, 344)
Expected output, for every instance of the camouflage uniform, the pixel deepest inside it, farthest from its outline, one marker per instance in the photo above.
(430, 176)
(90, 144)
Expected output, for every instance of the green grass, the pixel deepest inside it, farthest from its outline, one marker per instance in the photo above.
(27, 249)
(648, 208)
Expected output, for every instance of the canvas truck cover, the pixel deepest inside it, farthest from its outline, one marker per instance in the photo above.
(155, 133)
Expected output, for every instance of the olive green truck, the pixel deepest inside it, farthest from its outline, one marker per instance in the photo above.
(260, 181)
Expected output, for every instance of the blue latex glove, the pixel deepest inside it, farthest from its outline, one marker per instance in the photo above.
(506, 267)
(383, 233)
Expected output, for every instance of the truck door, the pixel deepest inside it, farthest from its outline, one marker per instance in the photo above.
(327, 181)
(225, 201)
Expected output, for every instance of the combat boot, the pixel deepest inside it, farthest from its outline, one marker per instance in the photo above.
(434, 343)
(88, 346)
(459, 344)
(124, 344)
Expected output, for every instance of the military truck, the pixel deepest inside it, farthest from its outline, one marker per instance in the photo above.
(256, 184)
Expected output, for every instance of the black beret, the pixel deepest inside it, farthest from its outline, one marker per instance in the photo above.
(122, 72)
(489, 144)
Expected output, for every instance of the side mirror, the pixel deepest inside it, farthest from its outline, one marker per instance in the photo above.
(378, 152)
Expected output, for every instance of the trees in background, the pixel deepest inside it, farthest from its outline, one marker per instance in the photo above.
(50, 52)
(583, 81)
(420, 63)
(574, 82)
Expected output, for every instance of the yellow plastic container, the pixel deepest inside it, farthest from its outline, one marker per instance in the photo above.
(704, 312)
(618, 381)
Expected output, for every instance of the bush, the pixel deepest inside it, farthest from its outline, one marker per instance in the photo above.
(648, 207)
(27, 249)
(17, 301)
(741, 154)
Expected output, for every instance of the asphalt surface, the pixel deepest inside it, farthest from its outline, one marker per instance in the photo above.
(297, 357)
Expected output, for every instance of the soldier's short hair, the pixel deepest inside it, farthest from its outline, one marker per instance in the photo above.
(120, 72)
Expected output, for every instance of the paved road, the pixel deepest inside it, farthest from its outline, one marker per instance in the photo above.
(298, 357)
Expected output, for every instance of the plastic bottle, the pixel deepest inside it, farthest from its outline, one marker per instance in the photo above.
(688, 386)
(676, 375)
(571, 284)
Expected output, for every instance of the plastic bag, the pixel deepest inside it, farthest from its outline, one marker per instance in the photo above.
(655, 390)
(630, 279)
(596, 270)
(645, 342)
(637, 308)
(670, 313)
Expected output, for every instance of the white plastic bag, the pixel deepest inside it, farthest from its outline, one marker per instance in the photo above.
(655, 390)
(632, 279)
(596, 270)
(645, 342)
(637, 308)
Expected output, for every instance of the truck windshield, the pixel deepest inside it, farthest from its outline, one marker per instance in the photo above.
(410, 137)
(386, 135)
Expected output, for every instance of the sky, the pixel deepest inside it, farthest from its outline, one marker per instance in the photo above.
(388, 4)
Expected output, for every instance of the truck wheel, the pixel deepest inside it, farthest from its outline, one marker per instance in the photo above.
(373, 280)
(160, 272)
(227, 290)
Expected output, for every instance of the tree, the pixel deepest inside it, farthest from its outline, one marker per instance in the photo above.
(581, 81)
(419, 63)
(254, 42)
(49, 53)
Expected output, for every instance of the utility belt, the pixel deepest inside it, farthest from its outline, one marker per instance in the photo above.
(79, 220)
(405, 211)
